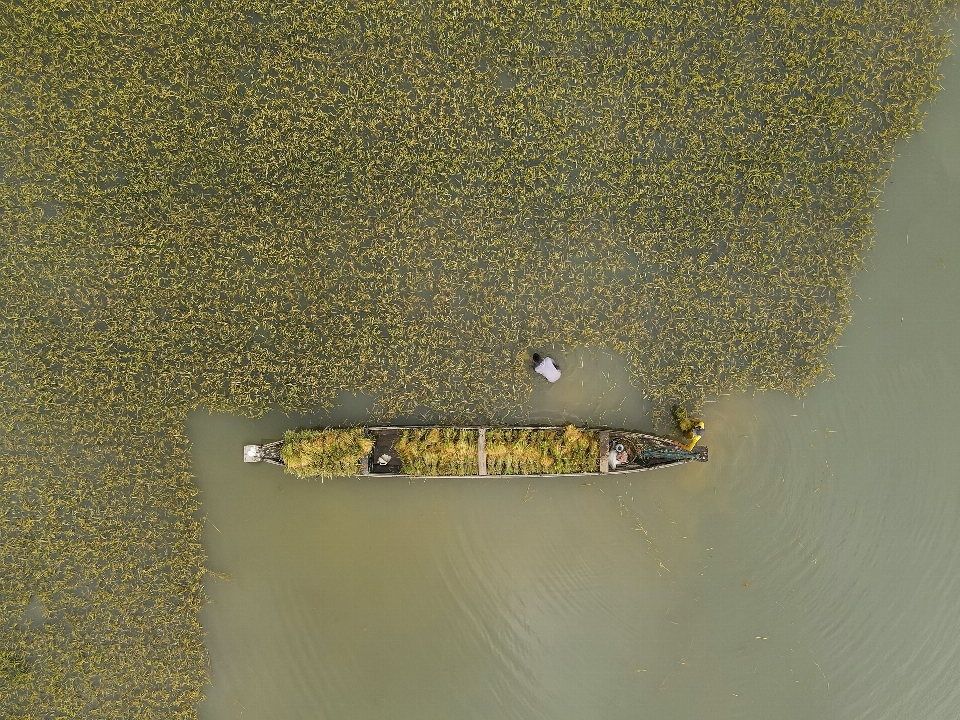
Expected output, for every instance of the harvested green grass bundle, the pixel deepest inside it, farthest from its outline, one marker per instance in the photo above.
(532, 452)
(324, 453)
(681, 420)
(438, 451)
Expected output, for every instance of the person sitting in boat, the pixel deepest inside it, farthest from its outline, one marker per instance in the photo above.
(618, 456)
(546, 367)
(693, 435)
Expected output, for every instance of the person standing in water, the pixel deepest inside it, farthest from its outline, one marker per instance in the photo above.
(546, 367)
(693, 435)
(691, 427)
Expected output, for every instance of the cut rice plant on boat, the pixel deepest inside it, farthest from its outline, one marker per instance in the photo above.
(438, 451)
(541, 451)
(327, 452)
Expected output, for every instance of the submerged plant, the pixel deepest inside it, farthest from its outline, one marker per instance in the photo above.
(325, 452)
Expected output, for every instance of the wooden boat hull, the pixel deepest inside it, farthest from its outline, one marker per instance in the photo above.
(646, 452)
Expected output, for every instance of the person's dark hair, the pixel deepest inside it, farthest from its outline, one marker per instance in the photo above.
(536, 357)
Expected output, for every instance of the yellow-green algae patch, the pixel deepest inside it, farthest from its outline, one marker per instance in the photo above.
(233, 206)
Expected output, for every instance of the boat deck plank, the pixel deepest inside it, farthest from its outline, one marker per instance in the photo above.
(603, 441)
(385, 441)
(482, 451)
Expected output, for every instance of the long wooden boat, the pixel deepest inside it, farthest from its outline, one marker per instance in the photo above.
(643, 451)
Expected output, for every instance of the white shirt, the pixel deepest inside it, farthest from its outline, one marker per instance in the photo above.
(547, 368)
(612, 460)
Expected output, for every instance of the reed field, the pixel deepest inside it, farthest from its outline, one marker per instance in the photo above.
(245, 206)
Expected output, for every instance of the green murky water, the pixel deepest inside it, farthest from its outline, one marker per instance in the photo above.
(808, 571)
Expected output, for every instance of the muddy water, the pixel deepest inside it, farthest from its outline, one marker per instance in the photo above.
(809, 570)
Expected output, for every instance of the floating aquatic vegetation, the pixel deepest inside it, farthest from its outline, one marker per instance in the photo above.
(326, 452)
(438, 451)
(235, 207)
(531, 452)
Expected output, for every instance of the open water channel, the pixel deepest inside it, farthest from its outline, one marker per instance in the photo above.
(811, 569)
